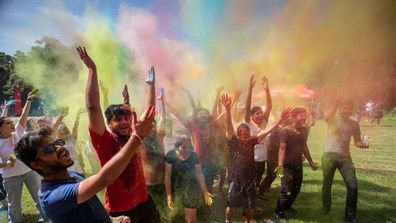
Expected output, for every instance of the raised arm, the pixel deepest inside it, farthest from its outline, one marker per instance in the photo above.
(163, 121)
(151, 87)
(192, 102)
(125, 95)
(268, 99)
(59, 120)
(248, 102)
(178, 116)
(77, 123)
(285, 115)
(330, 114)
(92, 97)
(216, 102)
(105, 93)
(4, 113)
(26, 109)
(226, 101)
(116, 165)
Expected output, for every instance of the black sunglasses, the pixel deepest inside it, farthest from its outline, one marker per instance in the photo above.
(50, 148)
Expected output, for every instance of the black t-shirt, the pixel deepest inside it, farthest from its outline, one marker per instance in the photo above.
(296, 140)
(241, 158)
(184, 174)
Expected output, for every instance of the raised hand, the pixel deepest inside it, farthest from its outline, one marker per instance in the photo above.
(237, 94)
(82, 52)
(64, 111)
(31, 95)
(219, 89)
(225, 99)
(252, 82)
(265, 83)
(286, 113)
(143, 128)
(81, 111)
(125, 93)
(151, 76)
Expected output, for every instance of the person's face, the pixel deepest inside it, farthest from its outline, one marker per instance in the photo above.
(7, 128)
(186, 144)
(202, 116)
(346, 110)
(53, 156)
(258, 116)
(41, 123)
(121, 125)
(244, 133)
(300, 118)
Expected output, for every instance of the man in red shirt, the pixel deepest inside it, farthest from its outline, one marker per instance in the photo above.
(128, 194)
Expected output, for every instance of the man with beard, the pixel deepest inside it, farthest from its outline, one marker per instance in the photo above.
(65, 196)
(293, 144)
(128, 194)
(337, 155)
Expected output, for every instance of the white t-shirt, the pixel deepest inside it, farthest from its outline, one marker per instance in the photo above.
(7, 148)
(260, 150)
(70, 145)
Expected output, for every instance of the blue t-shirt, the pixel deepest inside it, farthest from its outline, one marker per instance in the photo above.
(58, 200)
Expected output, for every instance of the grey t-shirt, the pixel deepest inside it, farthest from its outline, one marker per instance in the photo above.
(339, 133)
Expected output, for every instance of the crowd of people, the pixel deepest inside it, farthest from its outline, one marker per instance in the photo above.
(152, 173)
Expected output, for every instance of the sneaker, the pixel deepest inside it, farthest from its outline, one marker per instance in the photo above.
(280, 217)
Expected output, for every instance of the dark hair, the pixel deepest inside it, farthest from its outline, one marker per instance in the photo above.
(26, 148)
(297, 110)
(2, 119)
(180, 140)
(243, 126)
(254, 109)
(115, 110)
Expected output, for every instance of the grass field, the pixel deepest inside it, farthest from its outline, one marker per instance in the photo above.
(375, 169)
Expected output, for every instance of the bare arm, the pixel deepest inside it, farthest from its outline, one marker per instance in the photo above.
(268, 99)
(77, 123)
(201, 179)
(285, 115)
(281, 155)
(168, 175)
(92, 97)
(59, 120)
(4, 113)
(26, 109)
(330, 114)
(192, 102)
(216, 102)
(151, 87)
(248, 102)
(226, 101)
(181, 119)
(116, 165)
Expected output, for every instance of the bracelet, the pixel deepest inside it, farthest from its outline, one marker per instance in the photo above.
(138, 137)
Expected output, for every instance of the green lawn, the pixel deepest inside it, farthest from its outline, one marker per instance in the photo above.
(375, 168)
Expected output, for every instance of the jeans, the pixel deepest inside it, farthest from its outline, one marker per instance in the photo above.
(290, 187)
(13, 186)
(260, 169)
(342, 162)
(272, 163)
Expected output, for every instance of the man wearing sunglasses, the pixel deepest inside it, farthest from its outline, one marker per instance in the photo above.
(66, 196)
(128, 194)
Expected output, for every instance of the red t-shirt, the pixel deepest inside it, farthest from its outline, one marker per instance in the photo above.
(129, 190)
(203, 139)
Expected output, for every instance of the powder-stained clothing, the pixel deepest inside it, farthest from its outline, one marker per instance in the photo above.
(339, 134)
(184, 181)
(153, 159)
(203, 140)
(296, 141)
(129, 190)
(241, 157)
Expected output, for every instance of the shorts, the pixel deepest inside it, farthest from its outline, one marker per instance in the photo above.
(242, 194)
